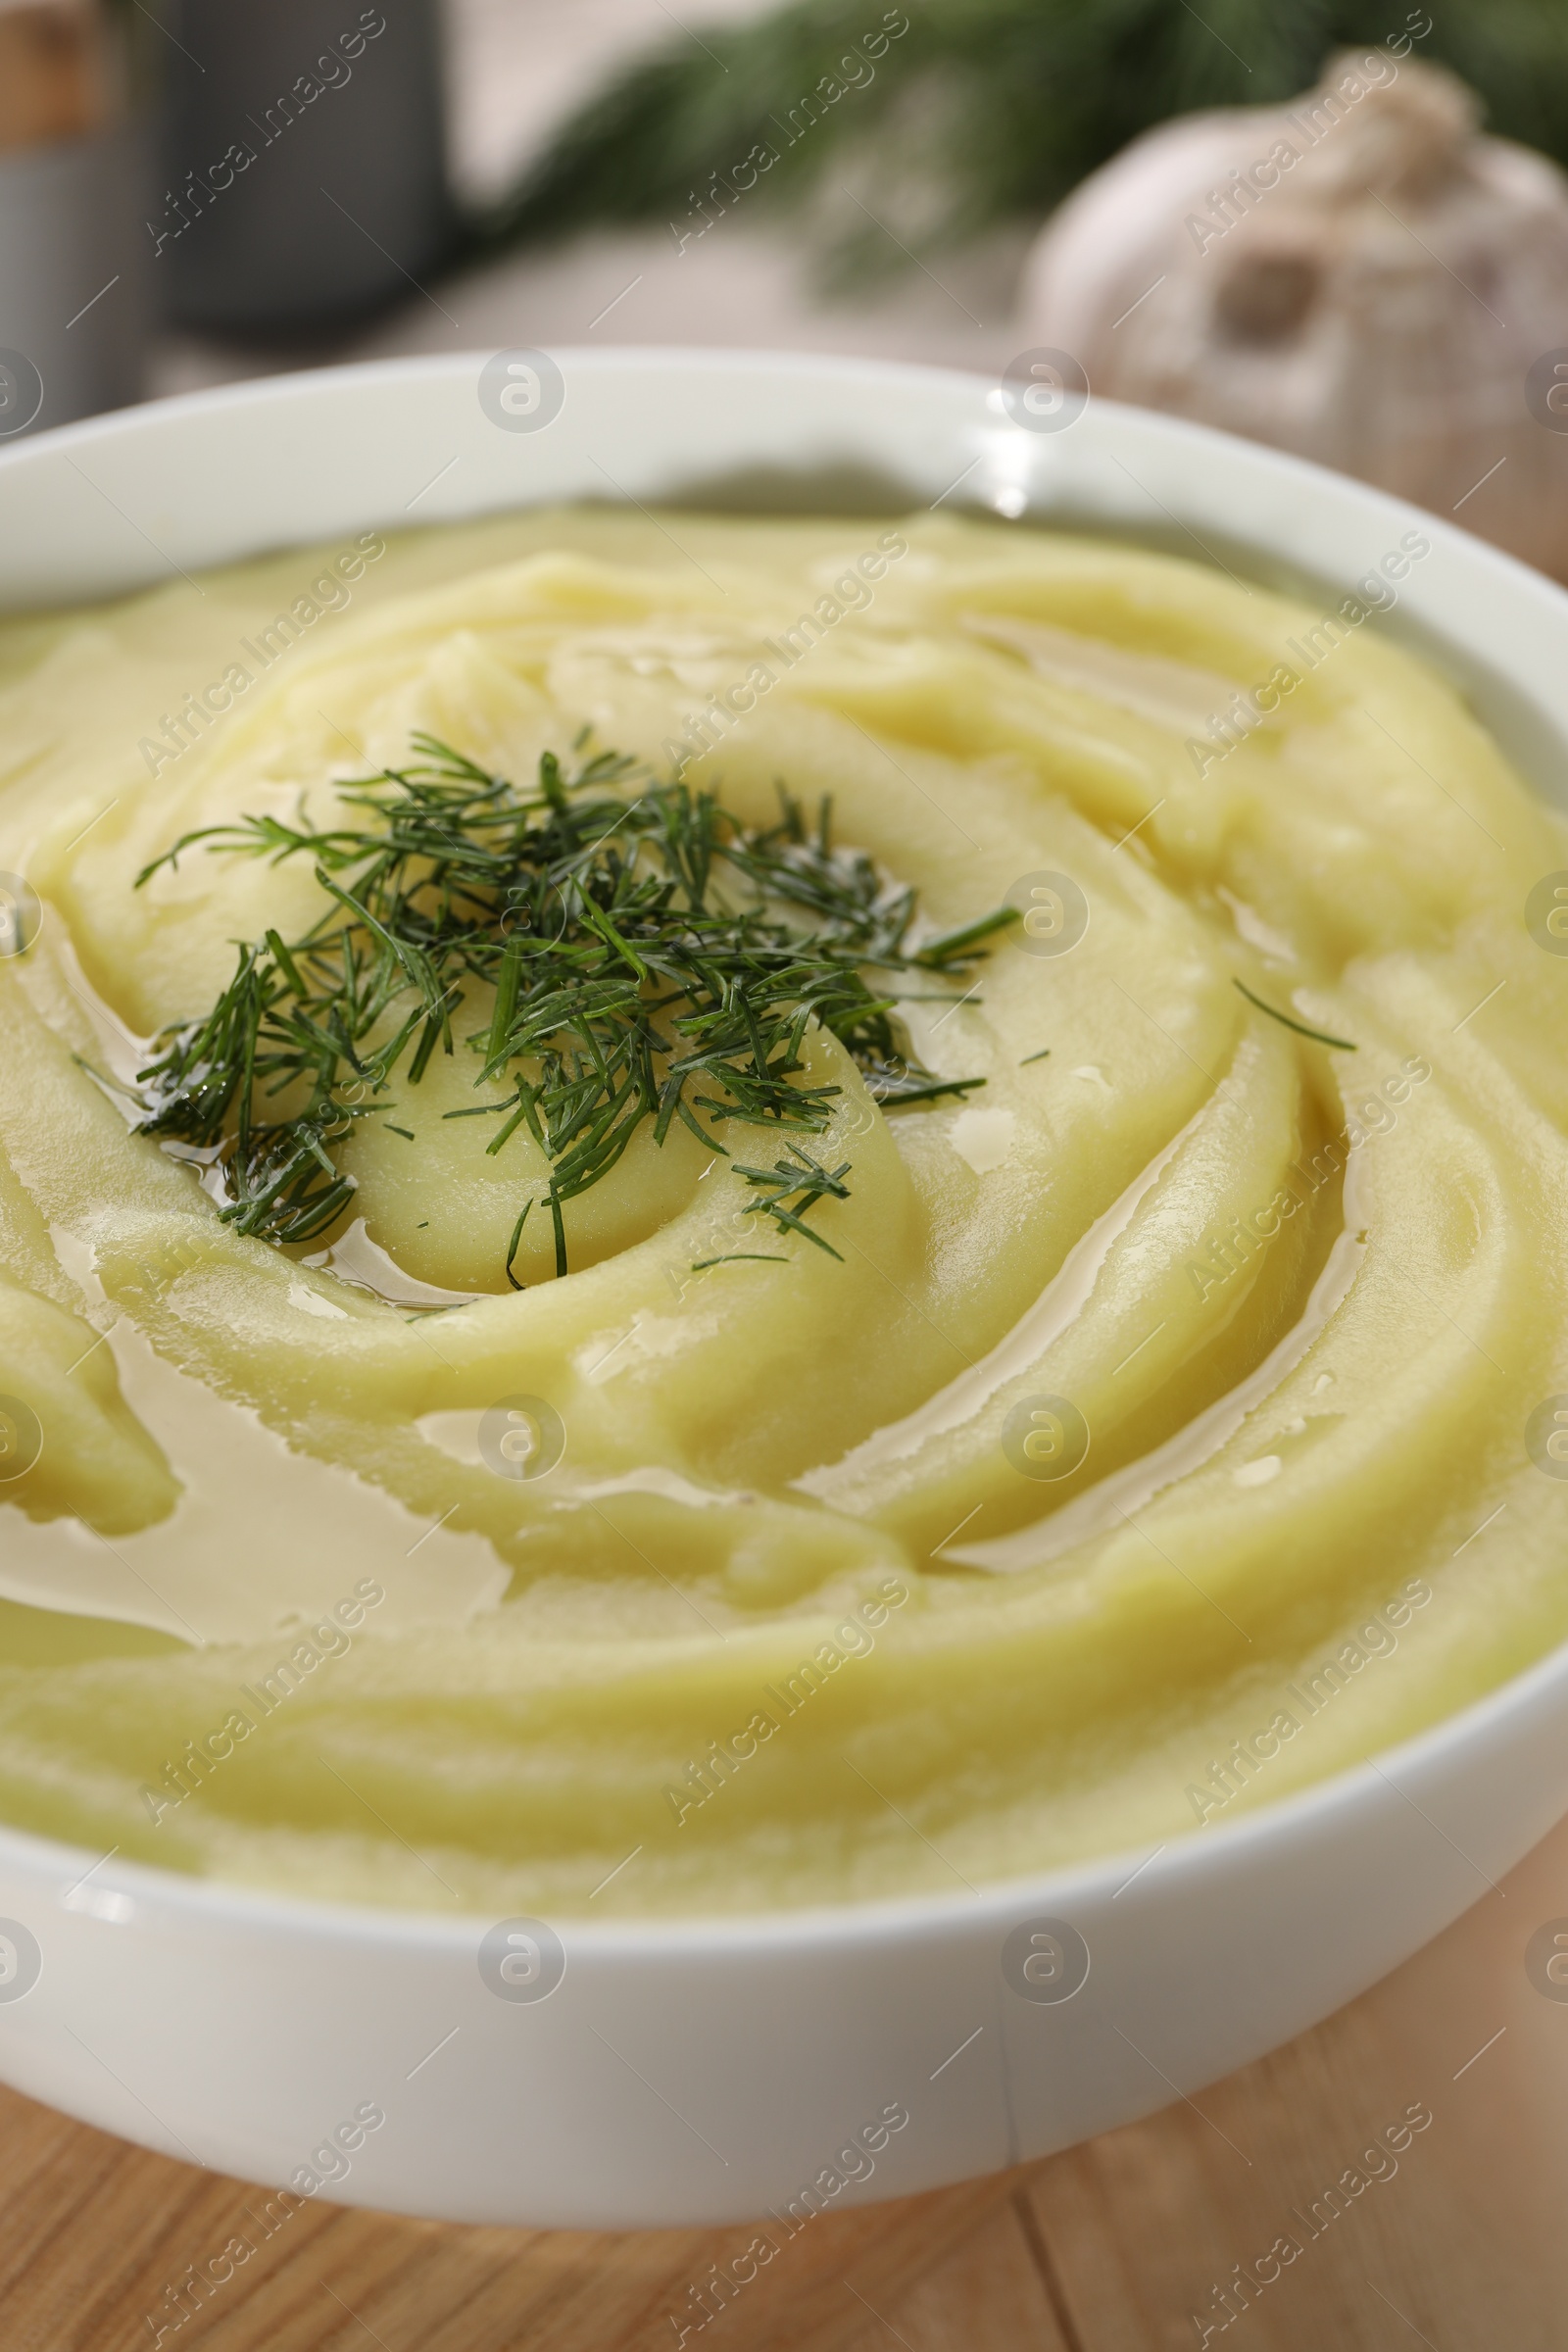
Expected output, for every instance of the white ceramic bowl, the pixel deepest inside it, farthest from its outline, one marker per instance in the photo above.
(705, 2071)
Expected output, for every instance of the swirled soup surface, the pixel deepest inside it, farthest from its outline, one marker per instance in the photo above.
(1154, 1437)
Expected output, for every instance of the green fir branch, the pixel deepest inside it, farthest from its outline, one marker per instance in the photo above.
(979, 114)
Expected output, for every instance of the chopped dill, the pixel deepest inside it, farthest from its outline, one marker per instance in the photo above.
(1319, 1036)
(739, 1257)
(800, 1179)
(1043, 1055)
(641, 955)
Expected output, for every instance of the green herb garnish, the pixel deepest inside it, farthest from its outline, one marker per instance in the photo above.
(646, 957)
(741, 1257)
(1319, 1036)
(800, 1179)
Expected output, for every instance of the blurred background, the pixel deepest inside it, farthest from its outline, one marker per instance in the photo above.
(1341, 228)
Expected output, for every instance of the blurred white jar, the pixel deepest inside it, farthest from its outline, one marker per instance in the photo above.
(72, 275)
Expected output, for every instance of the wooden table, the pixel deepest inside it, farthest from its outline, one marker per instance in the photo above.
(1112, 2247)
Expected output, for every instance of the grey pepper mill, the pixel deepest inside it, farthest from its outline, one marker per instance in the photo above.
(304, 172)
(73, 172)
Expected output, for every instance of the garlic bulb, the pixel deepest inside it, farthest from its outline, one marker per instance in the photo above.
(1361, 277)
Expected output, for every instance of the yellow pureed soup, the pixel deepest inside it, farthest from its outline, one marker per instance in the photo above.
(992, 1476)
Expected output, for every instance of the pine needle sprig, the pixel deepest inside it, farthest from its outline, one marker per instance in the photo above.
(641, 957)
(978, 114)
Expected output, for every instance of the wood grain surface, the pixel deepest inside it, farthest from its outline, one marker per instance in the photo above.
(1116, 2247)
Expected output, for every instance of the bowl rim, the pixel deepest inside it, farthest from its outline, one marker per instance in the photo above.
(873, 1920)
(610, 359)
